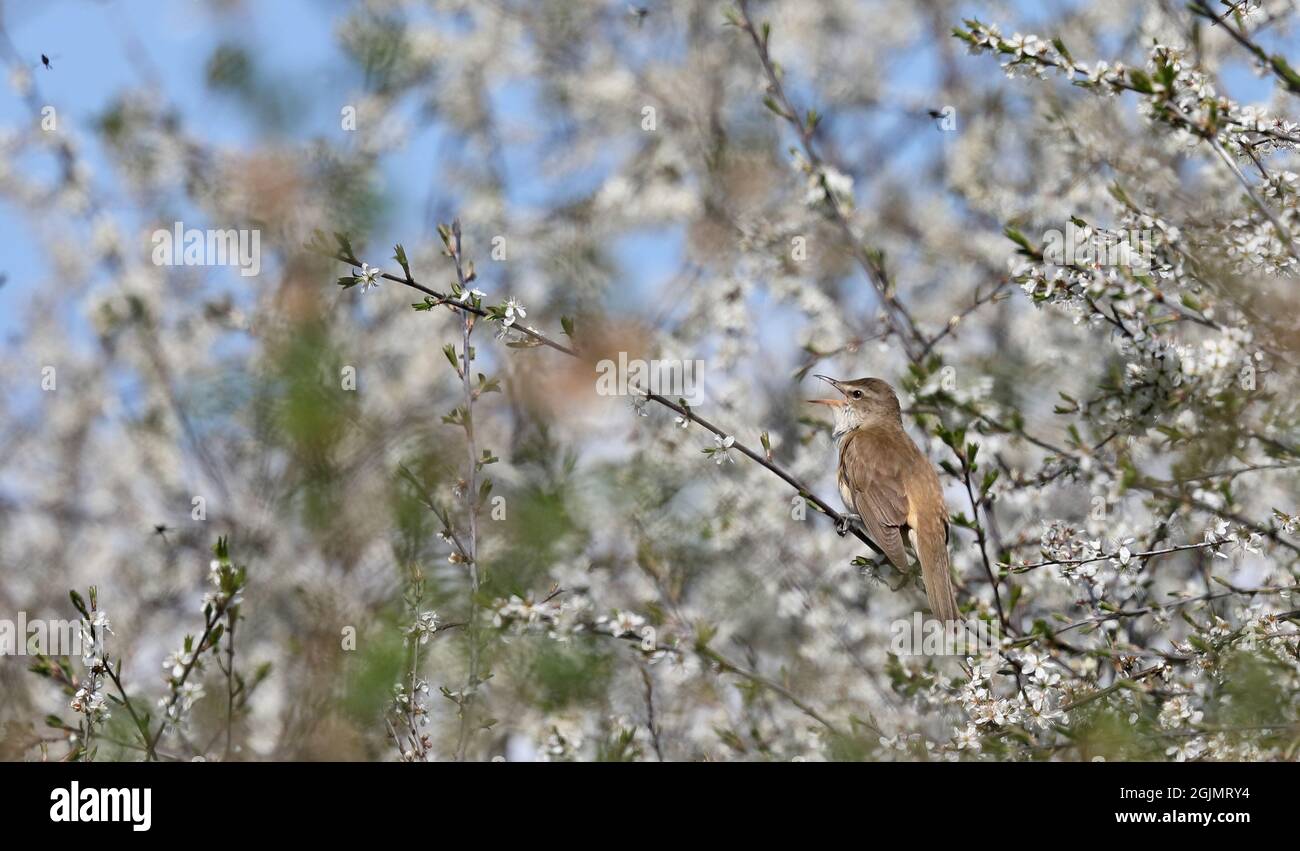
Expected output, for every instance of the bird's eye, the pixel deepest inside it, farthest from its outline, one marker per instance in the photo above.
(857, 394)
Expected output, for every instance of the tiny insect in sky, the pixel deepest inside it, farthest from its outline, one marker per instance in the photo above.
(45, 60)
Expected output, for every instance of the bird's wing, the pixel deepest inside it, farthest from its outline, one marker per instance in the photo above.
(875, 481)
(928, 531)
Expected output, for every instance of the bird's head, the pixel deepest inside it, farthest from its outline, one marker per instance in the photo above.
(862, 402)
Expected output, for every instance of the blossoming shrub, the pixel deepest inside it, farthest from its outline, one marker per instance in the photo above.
(1080, 280)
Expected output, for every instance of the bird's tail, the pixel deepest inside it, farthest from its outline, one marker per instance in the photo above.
(931, 545)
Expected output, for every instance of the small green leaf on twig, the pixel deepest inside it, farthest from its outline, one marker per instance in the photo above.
(1026, 247)
(1141, 81)
(771, 104)
(1060, 48)
(345, 247)
(399, 254)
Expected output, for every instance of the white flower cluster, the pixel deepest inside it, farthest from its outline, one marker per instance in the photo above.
(228, 586)
(175, 709)
(1239, 539)
(1030, 698)
(424, 628)
(525, 614)
(89, 698)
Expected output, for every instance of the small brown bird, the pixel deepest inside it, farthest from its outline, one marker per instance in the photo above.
(888, 485)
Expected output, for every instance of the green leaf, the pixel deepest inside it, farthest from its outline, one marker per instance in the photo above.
(345, 246)
(1140, 80)
(566, 324)
(1060, 48)
(399, 254)
(771, 104)
(1286, 72)
(79, 604)
(1026, 247)
(1166, 75)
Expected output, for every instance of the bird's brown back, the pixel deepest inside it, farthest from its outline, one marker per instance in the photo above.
(886, 479)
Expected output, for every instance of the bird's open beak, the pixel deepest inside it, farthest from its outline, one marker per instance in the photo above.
(834, 403)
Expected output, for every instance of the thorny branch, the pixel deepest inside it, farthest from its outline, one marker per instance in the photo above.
(443, 300)
(471, 502)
